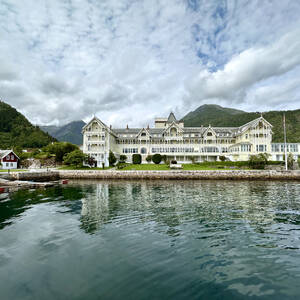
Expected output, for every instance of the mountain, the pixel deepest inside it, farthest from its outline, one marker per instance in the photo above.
(207, 112)
(16, 130)
(216, 115)
(70, 132)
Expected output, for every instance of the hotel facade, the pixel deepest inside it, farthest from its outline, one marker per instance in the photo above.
(184, 144)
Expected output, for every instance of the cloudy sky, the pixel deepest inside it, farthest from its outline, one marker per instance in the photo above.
(128, 61)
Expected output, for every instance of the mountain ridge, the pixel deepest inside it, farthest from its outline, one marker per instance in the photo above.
(70, 132)
(218, 116)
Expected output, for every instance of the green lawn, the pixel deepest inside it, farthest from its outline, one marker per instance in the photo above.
(13, 170)
(187, 167)
(81, 168)
(144, 167)
(160, 167)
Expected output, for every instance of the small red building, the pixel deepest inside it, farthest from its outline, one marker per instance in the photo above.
(9, 159)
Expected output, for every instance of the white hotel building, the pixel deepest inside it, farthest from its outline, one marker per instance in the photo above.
(185, 144)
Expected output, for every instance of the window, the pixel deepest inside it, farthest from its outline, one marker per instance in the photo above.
(209, 134)
(261, 148)
(143, 134)
(143, 151)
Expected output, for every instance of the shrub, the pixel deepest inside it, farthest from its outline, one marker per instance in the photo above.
(222, 158)
(136, 159)
(290, 160)
(74, 158)
(149, 158)
(164, 159)
(173, 162)
(120, 165)
(90, 160)
(123, 158)
(111, 158)
(193, 159)
(60, 149)
(156, 158)
(258, 161)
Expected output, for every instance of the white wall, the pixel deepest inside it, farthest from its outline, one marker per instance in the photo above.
(11, 165)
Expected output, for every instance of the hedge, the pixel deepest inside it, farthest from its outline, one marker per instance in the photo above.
(136, 159)
(156, 158)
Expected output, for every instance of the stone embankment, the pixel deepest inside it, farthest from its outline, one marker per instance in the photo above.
(182, 175)
(168, 175)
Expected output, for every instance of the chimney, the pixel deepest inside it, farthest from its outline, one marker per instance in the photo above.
(127, 127)
(110, 127)
(148, 126)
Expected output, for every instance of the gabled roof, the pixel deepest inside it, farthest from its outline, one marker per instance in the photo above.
(99, 122)
(92, 120)
(174, 123)
(254, 123)
(209, 128)
(143, 129)
(3, 153)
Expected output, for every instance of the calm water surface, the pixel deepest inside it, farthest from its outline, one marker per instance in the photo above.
(152, 240)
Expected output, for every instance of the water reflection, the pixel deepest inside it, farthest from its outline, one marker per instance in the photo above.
(259, 204)
(151, 239)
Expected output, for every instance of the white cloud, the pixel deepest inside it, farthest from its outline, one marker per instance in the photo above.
(128, 61)
(245, 69)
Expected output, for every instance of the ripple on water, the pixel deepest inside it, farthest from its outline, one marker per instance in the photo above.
(143, 240)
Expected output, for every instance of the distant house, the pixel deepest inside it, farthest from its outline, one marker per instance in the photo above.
(9, 159)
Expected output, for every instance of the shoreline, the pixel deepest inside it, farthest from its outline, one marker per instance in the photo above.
(157, 175)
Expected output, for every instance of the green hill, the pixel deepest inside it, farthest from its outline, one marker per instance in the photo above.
(216, 115)
(70, 132)
(16, 130)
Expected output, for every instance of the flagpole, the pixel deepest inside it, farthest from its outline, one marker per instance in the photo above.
(285, 150)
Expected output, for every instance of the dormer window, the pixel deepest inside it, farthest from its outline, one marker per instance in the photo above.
(143, 134)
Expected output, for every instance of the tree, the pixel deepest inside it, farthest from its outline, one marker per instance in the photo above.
(111, 158)
(290, 160)
(60, 149)
(149, 158)
(123, 158)
(75, 158)
(90, 160)
(156, 158)
(136, 159)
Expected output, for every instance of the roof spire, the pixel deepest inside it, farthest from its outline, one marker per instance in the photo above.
(171, 118)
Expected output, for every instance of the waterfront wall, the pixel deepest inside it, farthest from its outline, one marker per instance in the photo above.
(35, 176)
(183, 175)
(164, 175)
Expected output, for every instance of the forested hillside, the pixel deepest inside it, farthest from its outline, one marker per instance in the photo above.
(16, 130)
(216, 115)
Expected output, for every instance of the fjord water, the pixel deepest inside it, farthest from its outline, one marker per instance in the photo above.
(152, 240)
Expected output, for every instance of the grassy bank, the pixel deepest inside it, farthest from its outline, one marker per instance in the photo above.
(81, 168)
(13, 170)
(187, 167)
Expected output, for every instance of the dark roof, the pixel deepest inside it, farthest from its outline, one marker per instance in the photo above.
(171, 118)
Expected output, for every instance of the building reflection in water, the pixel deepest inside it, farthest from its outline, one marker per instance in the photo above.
(173, 203)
